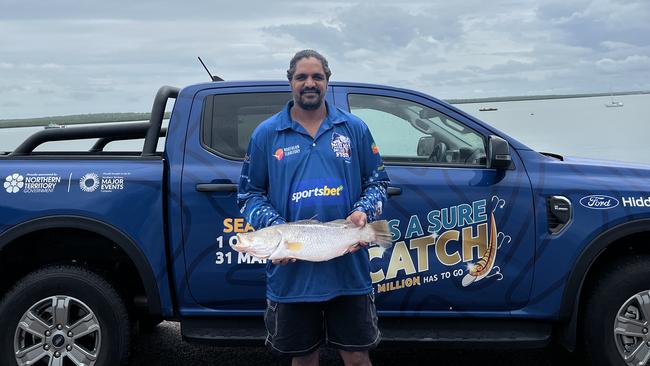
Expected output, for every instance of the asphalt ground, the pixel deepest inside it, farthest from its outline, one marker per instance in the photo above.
(165, 347)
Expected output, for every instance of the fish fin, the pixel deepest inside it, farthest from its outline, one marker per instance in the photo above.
(311, 220)
(381, 234)
(307, 221)
(340, 222)
(294, 246)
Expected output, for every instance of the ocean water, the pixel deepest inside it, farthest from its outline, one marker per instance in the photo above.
(10, 138)
(581, 127)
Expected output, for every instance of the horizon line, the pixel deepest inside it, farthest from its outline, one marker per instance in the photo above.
(105, 117)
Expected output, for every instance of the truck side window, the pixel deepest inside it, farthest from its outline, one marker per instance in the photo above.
(228, 120)
(409, 132)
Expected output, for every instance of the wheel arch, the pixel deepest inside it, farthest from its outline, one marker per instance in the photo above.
(604, 248)
(103, 229)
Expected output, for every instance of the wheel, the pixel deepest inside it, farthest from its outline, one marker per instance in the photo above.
(617, 315)
(63, 315)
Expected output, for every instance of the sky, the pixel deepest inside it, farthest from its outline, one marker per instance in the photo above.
(61, 57)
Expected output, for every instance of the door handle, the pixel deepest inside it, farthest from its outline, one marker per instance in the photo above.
(216, 187)
(394, 191)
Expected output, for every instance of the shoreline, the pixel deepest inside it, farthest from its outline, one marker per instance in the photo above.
(75, 119)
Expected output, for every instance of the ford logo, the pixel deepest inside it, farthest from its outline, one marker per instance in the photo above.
(599, 202)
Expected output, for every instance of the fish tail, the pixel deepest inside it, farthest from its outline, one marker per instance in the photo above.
(381, 234)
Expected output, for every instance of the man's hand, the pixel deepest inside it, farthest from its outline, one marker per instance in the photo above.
(359, 219)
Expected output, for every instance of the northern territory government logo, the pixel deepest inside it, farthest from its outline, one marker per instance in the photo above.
(287, 151)
(279, 154)
(341, 145)
(14, 183)
(31, 182)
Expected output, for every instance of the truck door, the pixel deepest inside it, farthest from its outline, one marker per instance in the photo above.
(221, 123)
(463, 233)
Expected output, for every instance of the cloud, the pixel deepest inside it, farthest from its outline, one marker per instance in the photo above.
(610, 45)
(116, 54)
(371, 27)
(592, 22)
(145, 10)
(628, 64)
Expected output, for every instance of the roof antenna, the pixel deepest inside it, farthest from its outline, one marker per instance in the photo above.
(213, 78)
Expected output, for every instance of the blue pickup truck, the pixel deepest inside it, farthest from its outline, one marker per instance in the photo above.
(494, 244)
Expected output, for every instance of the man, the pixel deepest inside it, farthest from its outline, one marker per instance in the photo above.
(312, 160)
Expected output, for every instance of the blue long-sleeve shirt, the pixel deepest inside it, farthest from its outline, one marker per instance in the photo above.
(289, 176)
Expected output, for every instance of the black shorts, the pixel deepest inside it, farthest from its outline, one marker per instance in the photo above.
(348, 323)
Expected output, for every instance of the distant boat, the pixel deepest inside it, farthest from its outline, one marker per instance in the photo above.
(614, 103)
(54, 125)
(487, 109)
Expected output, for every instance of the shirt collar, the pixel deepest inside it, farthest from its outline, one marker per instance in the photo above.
(334, 117)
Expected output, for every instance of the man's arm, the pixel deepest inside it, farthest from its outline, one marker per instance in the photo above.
(252, 197)
(374, 183)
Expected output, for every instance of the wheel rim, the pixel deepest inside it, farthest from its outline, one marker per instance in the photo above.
(57, 331)
(631, 329)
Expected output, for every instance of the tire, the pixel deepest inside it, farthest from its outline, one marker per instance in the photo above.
(92, 315)
(624, 290)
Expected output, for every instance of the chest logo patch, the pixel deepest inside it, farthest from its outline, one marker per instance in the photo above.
(279, 154)
(287, 151)
(341, 145)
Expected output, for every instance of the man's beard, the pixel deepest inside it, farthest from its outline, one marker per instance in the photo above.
(311, 104)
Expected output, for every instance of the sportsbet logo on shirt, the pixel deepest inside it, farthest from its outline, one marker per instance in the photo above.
(316, 192)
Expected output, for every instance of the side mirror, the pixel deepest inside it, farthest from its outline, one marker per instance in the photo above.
(498, 153)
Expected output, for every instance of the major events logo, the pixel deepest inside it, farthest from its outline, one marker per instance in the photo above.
(89, 182)
(107, 182)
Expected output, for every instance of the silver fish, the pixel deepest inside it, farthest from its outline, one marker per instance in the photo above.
(311, 240)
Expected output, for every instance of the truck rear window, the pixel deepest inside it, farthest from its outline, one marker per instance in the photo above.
(229, 119)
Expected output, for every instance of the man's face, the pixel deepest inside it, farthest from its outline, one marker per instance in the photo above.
(309, 83)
